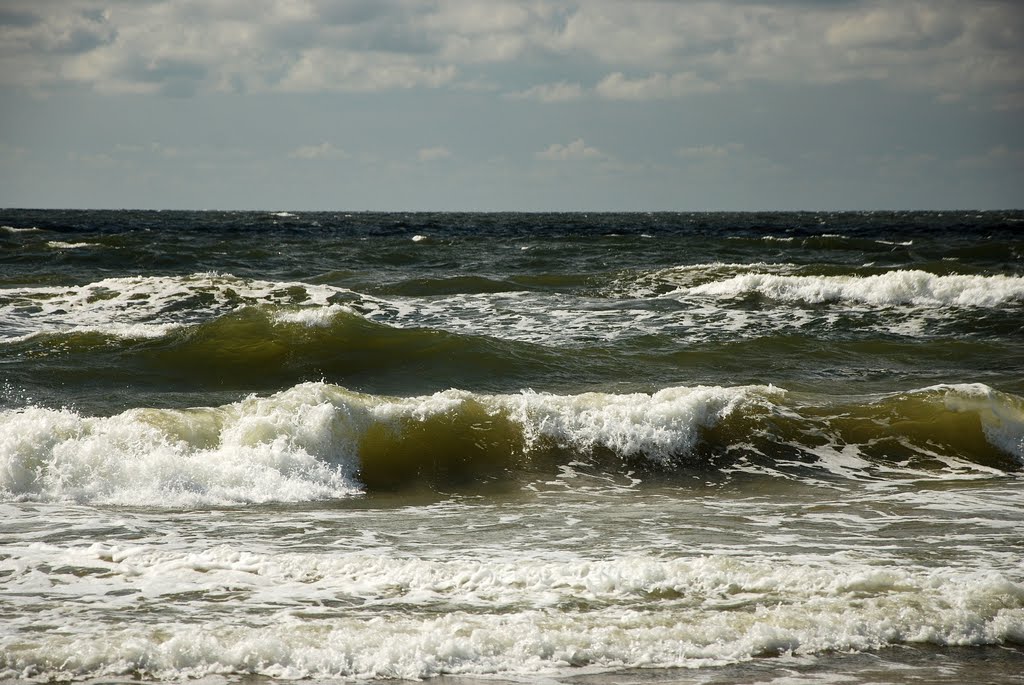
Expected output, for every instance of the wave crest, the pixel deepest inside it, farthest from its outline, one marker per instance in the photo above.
(910, 287)
(320, 441)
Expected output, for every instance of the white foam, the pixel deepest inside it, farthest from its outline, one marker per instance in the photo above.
(892, 288)
(419, 238)
(695, 274)
(60, 245)
(151, 306)
(659, 426)
(313, 317)
(255, 451)
(415, 618)
(303, 443)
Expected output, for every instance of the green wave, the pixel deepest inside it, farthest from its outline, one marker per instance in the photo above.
(960, 430)
(257, 348)
(322, 441)
(263, 348)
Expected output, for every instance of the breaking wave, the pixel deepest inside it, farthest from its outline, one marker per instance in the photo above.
(911, 287)
(320, 441)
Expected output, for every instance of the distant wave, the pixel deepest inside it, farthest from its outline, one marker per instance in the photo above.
(62, 245)
(213, 324)
(151, 306)
(910, 287)
(319, 441)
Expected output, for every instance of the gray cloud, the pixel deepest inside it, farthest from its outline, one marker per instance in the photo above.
(81, 40)
(162, 70)
(643, 49)
(18, 18)
(357, 12)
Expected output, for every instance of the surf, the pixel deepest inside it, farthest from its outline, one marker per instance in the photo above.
(318, 441)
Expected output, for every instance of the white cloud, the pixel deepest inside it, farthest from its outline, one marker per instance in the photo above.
(710, 151)
(99, 160)
(577, 150)
(898, 25)
(324, 150)
(658, 86)
(321, 69)
(995, 157)
(551, 92)
(433, 154)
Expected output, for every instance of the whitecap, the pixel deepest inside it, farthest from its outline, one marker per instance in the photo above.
(910, 287)
(147, 306)
(60, 245)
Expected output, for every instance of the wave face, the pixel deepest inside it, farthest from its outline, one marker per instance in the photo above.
(316, 441)
(704, 323)
(336, 447)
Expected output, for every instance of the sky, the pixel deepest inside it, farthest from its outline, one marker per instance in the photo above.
(495, 105)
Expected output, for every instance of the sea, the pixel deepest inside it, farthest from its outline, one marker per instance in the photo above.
(592, 449)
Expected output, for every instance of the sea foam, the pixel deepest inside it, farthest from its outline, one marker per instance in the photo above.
(909, 287)
(175, 459)
(152, 306)
(488, 616)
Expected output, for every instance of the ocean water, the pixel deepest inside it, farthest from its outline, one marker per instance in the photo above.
(248, 447)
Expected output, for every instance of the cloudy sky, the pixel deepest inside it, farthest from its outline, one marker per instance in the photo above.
(512, 105)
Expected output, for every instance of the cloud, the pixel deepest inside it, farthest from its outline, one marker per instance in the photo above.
(324, 150)
(998, 156)
(710, 151)
(100, 160)
(551, 92)
(320, 70)
(433, 154)
(19, 18)
(645, 49)
(577, 150)
(900, 26)
(659, 86)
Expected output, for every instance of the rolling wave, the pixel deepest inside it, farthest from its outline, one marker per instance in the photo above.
(320, 441)
(909, 287)
(695, 304)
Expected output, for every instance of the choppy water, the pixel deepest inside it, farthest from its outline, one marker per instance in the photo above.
(341, 447)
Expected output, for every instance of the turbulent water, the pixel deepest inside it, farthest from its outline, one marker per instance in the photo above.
(709, 448)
